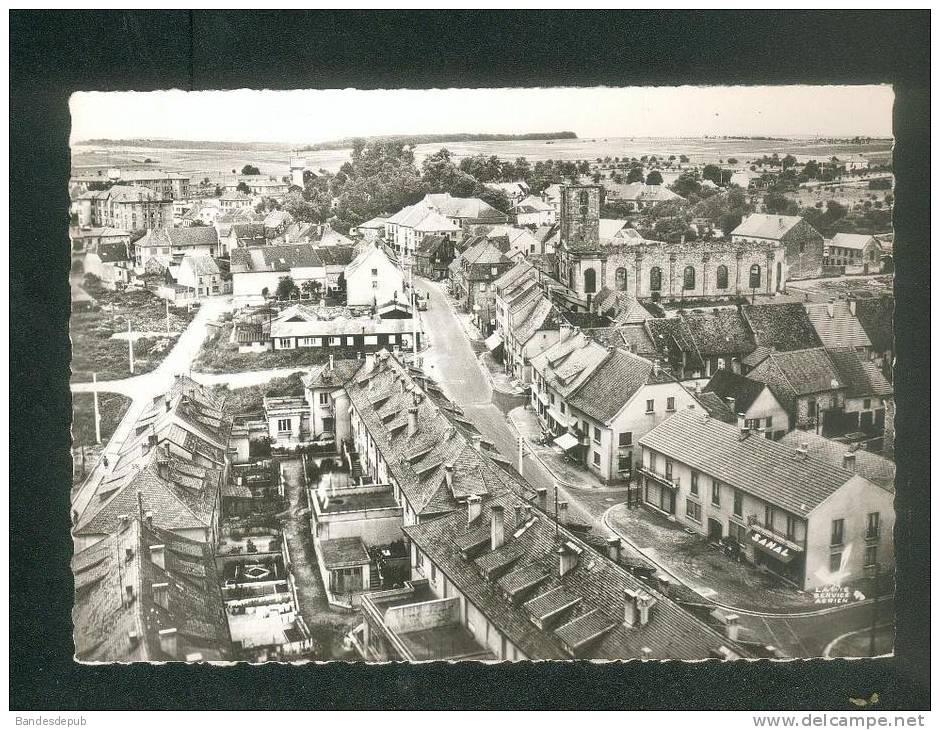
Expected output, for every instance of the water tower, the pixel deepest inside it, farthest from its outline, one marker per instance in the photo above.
(297, 166)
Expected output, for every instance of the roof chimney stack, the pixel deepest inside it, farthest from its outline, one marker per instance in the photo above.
(562, 513)
(158, 556)
(852, 307)
(412, 420)
(169, 642)
(331, 363)
(449, 475)
(848, 460)
(542, 494)
(474, 508)
(613, 549)
(743, 430)
(830, 310)
(644, 604)
(568, 555)
(497, 527)
(161, 594)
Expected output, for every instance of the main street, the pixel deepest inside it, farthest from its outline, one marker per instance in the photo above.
(452, 362)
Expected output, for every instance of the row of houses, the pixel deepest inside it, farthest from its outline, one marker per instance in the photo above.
(489, 574)
(147, 586)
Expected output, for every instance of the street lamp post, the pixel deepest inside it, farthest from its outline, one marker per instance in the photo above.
(874, 574)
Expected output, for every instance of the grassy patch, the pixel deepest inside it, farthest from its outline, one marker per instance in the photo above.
(93, 350)
(112, 407)
(219, 355)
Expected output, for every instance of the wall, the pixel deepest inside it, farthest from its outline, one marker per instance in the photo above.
(851, 503)
(362, 287)
(804, 246)
(764, 406)
(427, 615)
(827, 400)
(376, 526)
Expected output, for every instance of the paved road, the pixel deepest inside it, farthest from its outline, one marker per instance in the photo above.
(452, 362)
(142, 389)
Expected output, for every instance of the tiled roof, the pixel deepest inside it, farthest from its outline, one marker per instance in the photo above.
(541, 315)
(781, 326)
(417, 461)
(614, 383)
(721, 332)
(469, 208)
(874, 468)
(511, 601)
(767, 469)
(856, 241)
(203, 265)
(765, 225)
(876, 315)
(841, 328)
(338, 255)
(727, 384)
(623, 308)
(796, 373)
(673, 339)
(862, 378)
(716, 407)
(569, 362)
(326, 376)
(275, 258)
(114, 625)
(112, 252)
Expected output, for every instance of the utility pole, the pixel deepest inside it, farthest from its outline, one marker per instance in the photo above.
(167, 316)
(555, 490)
(130, 346)
(876, 572)
(94, 393)
(521, 455)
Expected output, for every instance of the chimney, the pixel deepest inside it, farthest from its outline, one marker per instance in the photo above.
(145, 447)
(148, 516)
(655, 367)
(161, 594)
(613, 548)
(644, 604)
(331, 363)
(133, 638)
(665, 584)
(449, 475)
(848, 460)
(562, 513)
(497, 527)
(852, 307)
(168, 642)
(630, 596)
(567, 558)
(517, 510)
(646, 652)
(743, 430)
(542, 493)
(158, 556)
(474, 508)
(565, 330)
(477, 441)
(167, 402)
(732, 626)
(412, 420)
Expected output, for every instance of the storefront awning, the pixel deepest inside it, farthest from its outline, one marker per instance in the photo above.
(566, 441)
(773, 548)
(494, 341)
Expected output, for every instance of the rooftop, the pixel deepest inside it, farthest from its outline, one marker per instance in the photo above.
(767, 469)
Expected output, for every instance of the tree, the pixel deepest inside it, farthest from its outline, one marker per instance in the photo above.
(732, 160)
(788, 162)
(879, 183)
(243, 188)
(654, 178)
(286, 288)
(635, 175)
(311, 288)
(687, 184)
(713, 173)
(776, 203)
(683, 158)
(250, 170)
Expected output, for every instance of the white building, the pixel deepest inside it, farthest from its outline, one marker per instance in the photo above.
(373, 278)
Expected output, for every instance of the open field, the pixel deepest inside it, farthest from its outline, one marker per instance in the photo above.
(214, 163)
(93, 350)
(111, 407)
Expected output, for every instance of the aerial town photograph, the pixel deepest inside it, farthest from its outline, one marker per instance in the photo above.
(488, 375)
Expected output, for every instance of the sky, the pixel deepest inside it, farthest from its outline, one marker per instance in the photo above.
(318, 115)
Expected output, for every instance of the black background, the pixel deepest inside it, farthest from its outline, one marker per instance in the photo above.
(55, 53)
